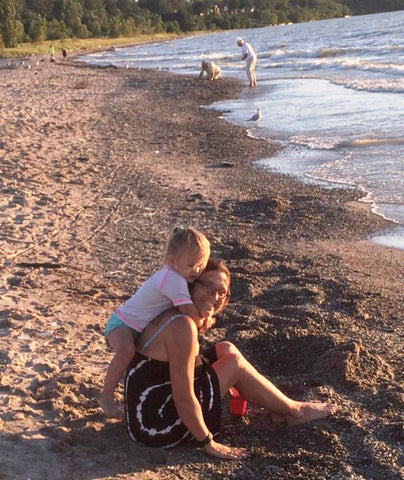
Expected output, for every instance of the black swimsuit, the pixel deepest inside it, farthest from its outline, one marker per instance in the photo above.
(150, 414)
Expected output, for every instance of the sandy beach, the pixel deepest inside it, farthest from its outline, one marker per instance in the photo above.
(97, 164)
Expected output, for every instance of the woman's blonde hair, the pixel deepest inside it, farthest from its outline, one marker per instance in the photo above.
(187, 239)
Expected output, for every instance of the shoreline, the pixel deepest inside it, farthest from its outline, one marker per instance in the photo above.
(389, 236)
(97, 165)
(385, 237)
(386, 232)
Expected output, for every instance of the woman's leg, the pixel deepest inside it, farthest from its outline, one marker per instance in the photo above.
(121, 341)
(253, 64)
(251, 71)
(233, 370)
(248, 71)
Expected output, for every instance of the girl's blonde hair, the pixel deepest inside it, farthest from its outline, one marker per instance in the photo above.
(183, 239)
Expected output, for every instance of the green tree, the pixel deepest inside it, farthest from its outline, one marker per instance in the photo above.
(223, 22)
(246, 5)
(35, 27)
(82, 18)
(185, 20)
(111, 8)
(234, 5)
(116, 27)
(12, 28)
(127, 7)
(58, 9)
(96, 20)
(161, 7)
(199, 6)
(268, 17)
(128, 27)
(43, 7)
(173, 27)
(57, 29)
(73, 14)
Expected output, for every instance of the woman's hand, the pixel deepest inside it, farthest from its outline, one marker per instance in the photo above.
(225, 451)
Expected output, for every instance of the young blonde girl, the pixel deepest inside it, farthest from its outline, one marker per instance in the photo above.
(188, 252)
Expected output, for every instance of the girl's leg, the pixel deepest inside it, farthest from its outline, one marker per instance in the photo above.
(121, 341)
(234, 370)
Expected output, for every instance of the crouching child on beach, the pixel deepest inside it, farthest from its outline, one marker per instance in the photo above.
(187, 254)
(212, 70)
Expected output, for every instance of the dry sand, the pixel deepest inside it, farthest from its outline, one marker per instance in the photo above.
(96, 166)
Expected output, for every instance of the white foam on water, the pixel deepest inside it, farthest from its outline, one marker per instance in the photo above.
(393, 239)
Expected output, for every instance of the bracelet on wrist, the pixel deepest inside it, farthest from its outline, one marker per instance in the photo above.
(205, 441)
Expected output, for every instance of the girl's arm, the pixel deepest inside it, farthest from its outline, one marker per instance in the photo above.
(184, 334)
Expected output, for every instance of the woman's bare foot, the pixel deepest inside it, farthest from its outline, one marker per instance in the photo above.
(309, 411)
(106, 402)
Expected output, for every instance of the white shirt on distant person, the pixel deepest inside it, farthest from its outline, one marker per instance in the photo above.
(158, 293)
(248, 50)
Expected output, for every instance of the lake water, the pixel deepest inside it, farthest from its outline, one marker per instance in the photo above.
(332, 92)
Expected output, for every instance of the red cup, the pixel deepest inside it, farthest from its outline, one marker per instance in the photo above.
(237, 404)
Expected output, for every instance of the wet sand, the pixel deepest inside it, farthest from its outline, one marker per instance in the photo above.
(96, 166)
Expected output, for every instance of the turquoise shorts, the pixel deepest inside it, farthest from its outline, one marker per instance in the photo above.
(114, 322)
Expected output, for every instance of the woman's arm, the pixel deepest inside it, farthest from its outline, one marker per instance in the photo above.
(182, 366)
(184, 334)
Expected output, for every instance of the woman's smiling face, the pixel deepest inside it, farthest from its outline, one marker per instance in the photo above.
(210, 292)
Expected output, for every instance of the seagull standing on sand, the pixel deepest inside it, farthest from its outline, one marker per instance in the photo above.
(256, 117)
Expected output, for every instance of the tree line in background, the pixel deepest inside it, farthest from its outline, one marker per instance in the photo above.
(37, 20)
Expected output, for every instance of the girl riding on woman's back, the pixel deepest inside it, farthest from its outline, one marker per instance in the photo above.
(188, 252)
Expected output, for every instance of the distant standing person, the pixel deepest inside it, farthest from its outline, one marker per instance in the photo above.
(64, 53)
(248, 54)
(52, 53)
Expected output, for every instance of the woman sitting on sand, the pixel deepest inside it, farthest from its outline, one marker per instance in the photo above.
(172, 392)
